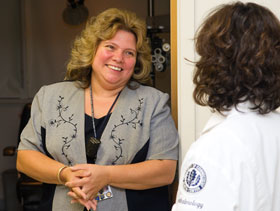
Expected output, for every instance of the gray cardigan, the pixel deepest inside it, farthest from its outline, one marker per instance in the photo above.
(56, 128)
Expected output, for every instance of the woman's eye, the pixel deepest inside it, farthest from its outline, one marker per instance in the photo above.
(111, 47)
(130, 53)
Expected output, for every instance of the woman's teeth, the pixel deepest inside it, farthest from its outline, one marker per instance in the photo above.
(115, 68)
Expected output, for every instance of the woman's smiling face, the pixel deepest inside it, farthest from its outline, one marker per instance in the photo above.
(114, 61)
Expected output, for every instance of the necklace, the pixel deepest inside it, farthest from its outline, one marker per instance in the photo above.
(93, 143)
(92, 113)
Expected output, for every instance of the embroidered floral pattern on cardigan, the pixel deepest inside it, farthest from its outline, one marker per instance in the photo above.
(65, 120)
(133, 122)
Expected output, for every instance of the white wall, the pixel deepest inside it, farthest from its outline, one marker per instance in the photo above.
(191, 117)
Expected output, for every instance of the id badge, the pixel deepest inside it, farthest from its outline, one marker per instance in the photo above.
(104, 193)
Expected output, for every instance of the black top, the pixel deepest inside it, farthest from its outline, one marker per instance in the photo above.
(100, 125)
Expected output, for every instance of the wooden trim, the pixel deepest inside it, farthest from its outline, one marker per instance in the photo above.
(173, 69)
(173, 38)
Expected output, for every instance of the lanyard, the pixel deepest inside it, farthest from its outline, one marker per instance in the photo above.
(92, 112)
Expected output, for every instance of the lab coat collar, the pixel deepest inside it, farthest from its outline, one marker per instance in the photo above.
(215, 119)
(218, 118)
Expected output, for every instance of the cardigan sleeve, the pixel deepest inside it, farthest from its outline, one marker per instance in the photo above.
(163, 133)
(31, 136)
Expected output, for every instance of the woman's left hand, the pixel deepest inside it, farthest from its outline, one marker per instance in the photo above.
(90, 185)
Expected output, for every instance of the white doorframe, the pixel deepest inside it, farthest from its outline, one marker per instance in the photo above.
(186, 106)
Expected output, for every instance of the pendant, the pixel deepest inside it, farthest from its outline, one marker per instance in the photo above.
(92, 147)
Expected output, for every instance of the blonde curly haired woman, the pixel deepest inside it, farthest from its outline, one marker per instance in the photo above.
(101, 138)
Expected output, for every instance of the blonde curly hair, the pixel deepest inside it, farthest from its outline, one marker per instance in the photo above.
(104, 27)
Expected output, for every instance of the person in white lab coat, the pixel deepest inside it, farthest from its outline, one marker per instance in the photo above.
(235, 164)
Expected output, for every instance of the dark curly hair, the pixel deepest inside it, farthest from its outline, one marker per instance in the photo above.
(239, 48)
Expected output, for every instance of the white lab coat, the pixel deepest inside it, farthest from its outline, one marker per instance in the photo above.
(234, 165)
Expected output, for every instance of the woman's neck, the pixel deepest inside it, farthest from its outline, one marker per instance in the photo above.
(100, 91)
(102, 100)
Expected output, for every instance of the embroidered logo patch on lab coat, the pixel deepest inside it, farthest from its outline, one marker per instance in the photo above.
(194, 179)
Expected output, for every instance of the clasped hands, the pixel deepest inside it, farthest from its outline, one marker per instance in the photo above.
(84, 182)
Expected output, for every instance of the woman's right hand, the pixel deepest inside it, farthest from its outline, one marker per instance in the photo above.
(67, 175)
(90, 185)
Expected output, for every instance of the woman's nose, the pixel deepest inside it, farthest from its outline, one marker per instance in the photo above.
(118, 56)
